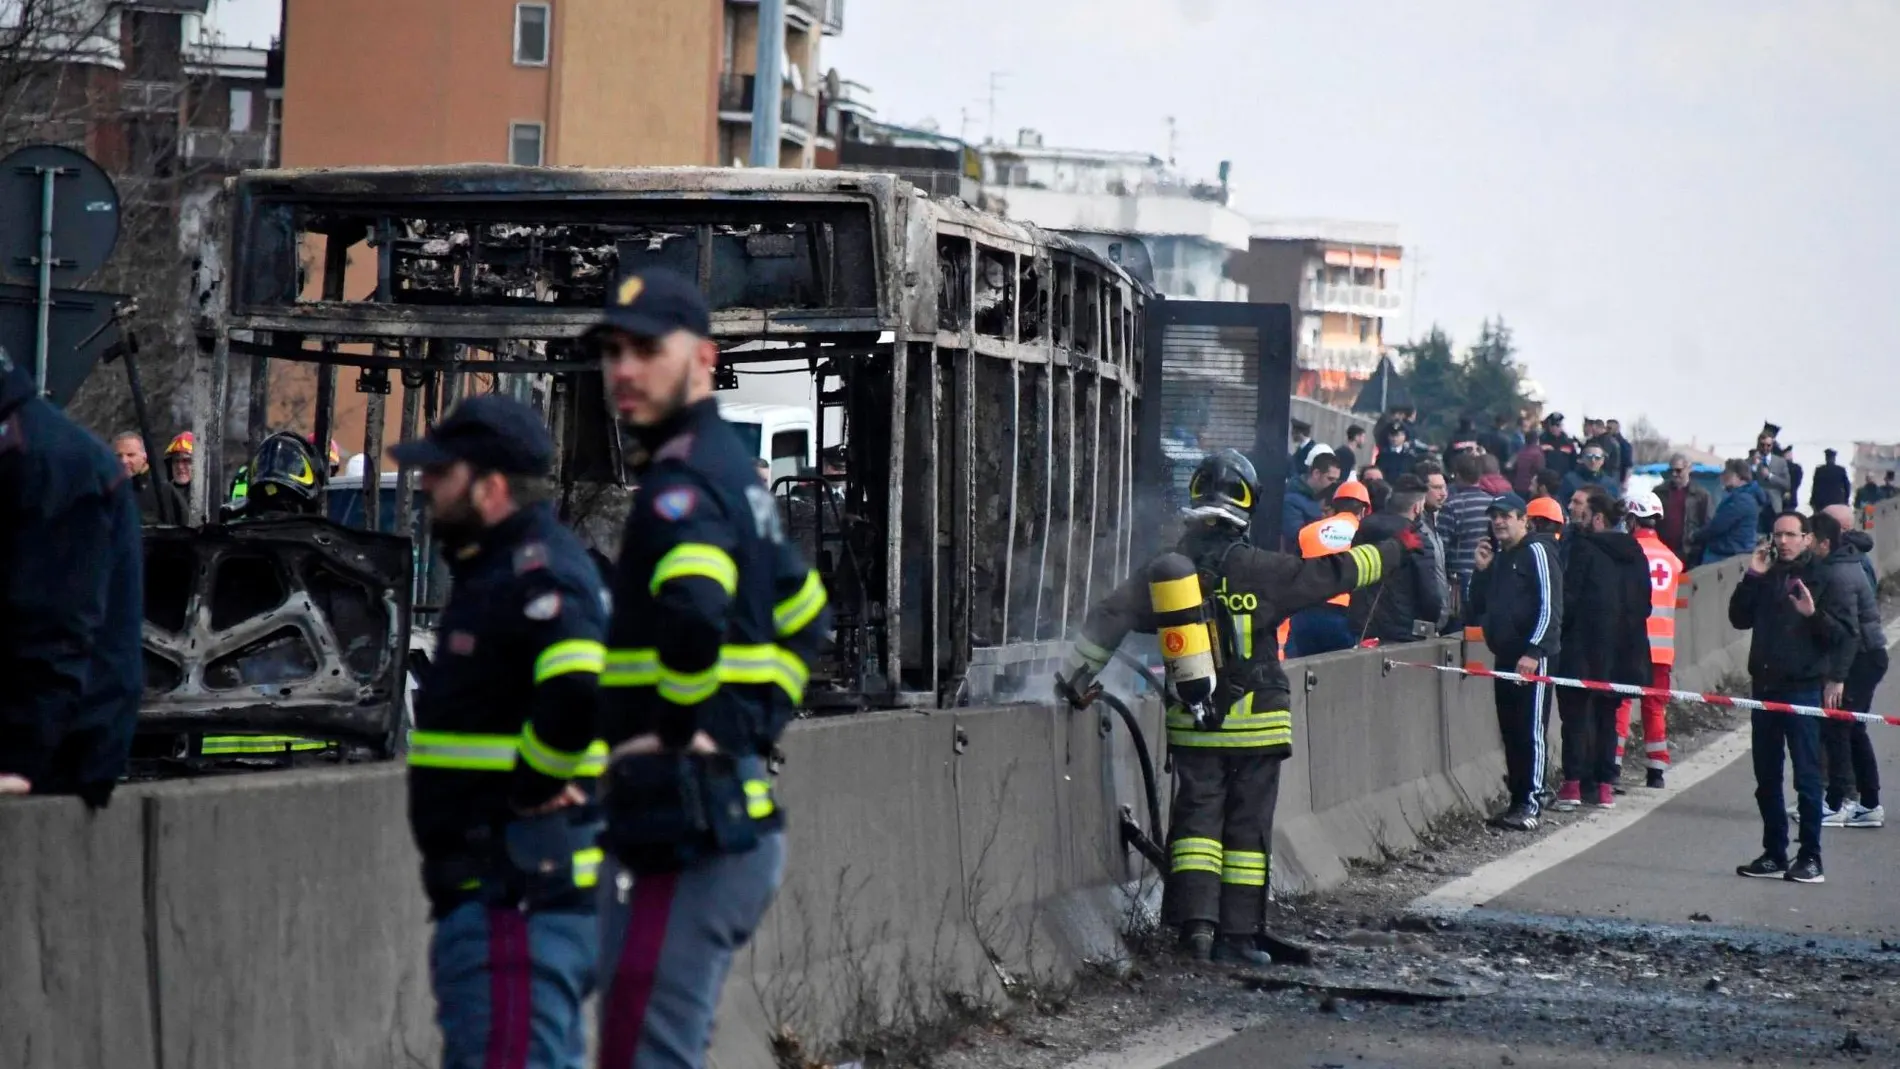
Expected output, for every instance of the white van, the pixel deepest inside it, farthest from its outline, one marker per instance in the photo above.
(785, 435)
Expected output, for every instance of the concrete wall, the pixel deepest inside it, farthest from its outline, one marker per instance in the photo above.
(1329, 424)
(275, 921)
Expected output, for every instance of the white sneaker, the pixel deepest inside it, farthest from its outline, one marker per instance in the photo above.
(1862, 817)
(1829, 817)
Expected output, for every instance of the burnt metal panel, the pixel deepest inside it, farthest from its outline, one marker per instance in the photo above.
(285, 625)
(1219, 376)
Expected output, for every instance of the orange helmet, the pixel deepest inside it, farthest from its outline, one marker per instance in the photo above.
(336, 454)
(182, 446)
(1544, 508)
(1353, 490)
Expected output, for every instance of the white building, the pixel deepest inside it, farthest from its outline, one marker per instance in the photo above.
(1185, 229)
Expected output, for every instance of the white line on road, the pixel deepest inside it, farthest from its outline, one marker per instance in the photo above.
(1163, 1045)
(1499, 877)
(1490, 881)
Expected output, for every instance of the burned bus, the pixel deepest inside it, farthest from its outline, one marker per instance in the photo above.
(976, 383)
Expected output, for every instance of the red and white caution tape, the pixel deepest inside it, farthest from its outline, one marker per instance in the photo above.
(1632, 691)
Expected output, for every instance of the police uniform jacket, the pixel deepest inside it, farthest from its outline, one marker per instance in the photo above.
(71, 596)
(1254, 589)
(715, 614)
(505, 716)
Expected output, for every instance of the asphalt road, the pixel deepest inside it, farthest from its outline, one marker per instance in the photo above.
(1681, 860)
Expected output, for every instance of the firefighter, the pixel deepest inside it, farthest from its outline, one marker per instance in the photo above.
(504, 745)
(1213, 599)
(178, 458)
(283, 479)
(70, 593)
(706, 659)
(1665, 583)
(1324, 627)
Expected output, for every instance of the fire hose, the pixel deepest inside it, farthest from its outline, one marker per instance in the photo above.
(1132, 833)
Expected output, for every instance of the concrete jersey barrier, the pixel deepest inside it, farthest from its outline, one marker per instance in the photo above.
(275, 921)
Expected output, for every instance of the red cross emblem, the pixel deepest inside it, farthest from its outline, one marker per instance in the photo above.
(1659, 574)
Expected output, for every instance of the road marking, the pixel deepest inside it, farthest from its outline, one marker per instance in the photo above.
(1491, 881)
(1162, 1045)
(1499, 877)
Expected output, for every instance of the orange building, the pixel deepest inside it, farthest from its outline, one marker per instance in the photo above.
(1344, 279)
(590, 83)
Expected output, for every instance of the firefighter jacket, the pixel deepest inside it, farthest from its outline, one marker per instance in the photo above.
(715, 614)
(504, 717)
(71, 596)
(1518, 601)
(1251, 589)
(1665, 590)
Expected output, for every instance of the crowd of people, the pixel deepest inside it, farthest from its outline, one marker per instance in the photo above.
(1538, 544)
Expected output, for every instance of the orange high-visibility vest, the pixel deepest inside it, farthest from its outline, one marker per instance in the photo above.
(1323, 538)
(1665, 576)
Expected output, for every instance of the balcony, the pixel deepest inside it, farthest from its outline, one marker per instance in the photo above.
(797, 111)
(149, 98)
(1356, 360)
(1339, 297)
(234, 150)
(826, 13)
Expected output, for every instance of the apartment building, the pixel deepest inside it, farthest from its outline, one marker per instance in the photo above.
(1183, 231)
(593, 83)
(141, 87)
(590, 83)
(1345, 279)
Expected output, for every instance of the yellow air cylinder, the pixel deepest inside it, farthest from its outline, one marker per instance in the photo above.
(1187, 648)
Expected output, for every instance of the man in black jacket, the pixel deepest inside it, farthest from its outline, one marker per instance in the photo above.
(1831, 485)
(1517, 597)
(1847, 751)
(1804, 634)
(1605, 636)
(1404, 605)
(71, 591)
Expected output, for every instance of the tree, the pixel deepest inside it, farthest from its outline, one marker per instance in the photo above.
(58, 84)
(1647, 444)
(1485, 381)
(1436, 382)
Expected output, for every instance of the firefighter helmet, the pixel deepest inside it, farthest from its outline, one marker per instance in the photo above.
(182, 446)
(1223, 487)
(285, 474)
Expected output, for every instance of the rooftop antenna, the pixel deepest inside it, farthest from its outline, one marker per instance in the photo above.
(996, 86)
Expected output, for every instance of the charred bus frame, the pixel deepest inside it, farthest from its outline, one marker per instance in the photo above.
(983, 377)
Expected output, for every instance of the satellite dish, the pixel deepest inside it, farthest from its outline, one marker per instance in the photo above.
(85, 214)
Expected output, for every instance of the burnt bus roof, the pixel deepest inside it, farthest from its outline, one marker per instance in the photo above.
(494, 250)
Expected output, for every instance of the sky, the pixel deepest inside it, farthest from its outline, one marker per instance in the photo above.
(1683, 208)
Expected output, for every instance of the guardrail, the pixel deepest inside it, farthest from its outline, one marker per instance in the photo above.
(276, 920)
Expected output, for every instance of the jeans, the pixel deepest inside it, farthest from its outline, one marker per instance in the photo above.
(509, 987)
(1773, 735)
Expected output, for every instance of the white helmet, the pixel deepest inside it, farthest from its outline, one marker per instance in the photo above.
(1643, 504)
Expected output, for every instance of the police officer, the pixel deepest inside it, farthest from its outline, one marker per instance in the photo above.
(504, 739)
(1227, 748)
(714, 621)
(71, 590)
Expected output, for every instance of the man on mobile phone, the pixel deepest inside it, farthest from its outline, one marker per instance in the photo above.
(1802, 631)
(1517, 596)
